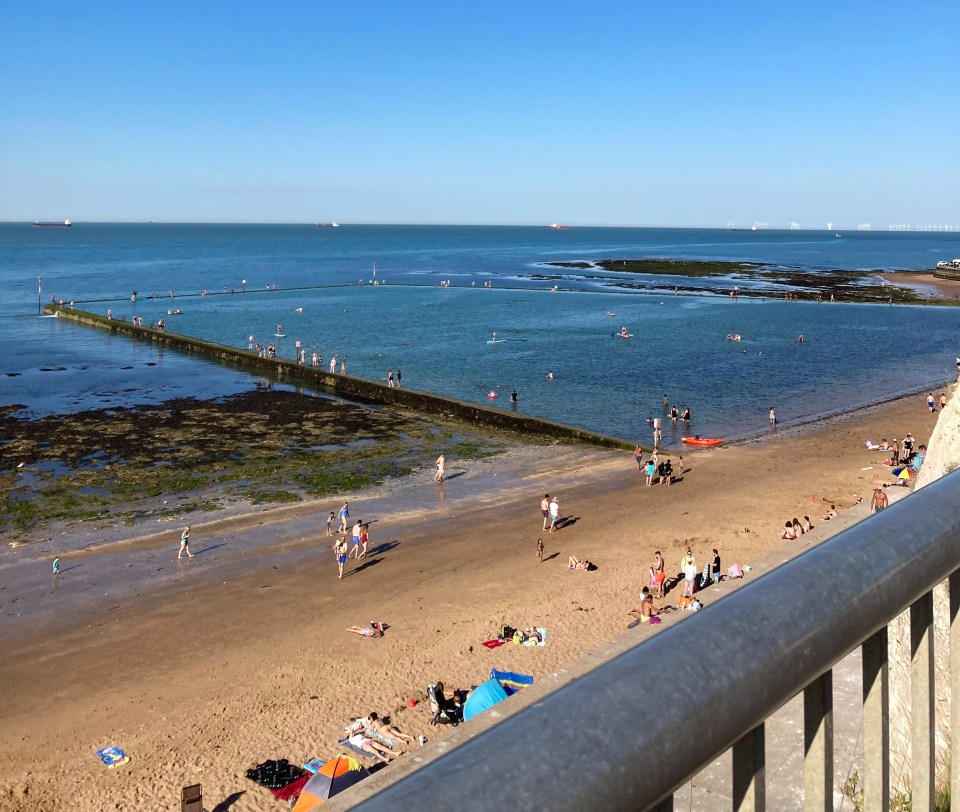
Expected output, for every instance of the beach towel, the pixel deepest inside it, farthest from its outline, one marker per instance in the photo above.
(276, 774)
(293, 789)
(313, 765)
(493, 643)
(112, 756)
(541, 642)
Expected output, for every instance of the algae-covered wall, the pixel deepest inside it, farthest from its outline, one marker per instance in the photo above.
(358, 389)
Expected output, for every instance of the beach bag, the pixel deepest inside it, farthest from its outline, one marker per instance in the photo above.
(734, 571)
(507, 632)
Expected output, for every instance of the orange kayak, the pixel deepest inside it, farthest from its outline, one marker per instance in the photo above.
(702, 440)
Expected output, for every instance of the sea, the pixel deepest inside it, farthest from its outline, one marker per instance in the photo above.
(441, 294)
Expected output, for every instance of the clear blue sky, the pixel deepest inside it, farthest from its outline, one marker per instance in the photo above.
(632, 113)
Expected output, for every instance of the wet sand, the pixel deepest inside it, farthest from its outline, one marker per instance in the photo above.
(925, 282)
(201, 670)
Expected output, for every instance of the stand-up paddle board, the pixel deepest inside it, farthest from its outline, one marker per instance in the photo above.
(496, 341)
(280, 335)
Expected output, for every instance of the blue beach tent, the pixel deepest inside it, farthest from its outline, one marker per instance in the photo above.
(485, 695)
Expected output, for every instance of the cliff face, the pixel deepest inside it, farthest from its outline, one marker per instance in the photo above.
(943, 457)
(943, 452)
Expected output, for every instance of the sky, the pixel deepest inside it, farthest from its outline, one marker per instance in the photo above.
(612, 113)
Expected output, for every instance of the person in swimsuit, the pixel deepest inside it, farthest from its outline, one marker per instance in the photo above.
(372, 630)
(788, 532)
(659, 570)
(545, 510)
(330, 520)
(185, 544)
(377, 749)
(355, 537)
(376, 725)
(638, 456)
(540, 550)
(340, 549)
(575, 563)
(344, 515)
(441, 464)
(364, 540)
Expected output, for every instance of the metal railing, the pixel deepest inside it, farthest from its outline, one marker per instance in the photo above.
(597, 744)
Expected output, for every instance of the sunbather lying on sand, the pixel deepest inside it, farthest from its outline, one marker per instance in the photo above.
(373, 630)
(372, 746)
(830, 514)
(575, 563)
(376, 725)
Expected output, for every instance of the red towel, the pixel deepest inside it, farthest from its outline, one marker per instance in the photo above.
(292, 790)
(493, 643)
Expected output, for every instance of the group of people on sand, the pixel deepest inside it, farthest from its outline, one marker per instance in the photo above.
(376, 737)
(795, 528)
(656, 469)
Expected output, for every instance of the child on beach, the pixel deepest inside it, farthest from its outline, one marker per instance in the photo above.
(330, 520)
(364, 540)
(540, 550)
(340, 550)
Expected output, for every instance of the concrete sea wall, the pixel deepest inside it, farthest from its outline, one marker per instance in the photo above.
(347, 386)
(943, 457)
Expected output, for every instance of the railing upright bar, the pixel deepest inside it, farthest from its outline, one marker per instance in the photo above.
(876, 727)
(749, 779)
(818, 744)
(955, 684)
(922, 749)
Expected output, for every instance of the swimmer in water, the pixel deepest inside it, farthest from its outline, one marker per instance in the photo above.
(299, 310)
(550, 375)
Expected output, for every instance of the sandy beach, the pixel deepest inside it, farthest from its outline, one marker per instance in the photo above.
(203, 669)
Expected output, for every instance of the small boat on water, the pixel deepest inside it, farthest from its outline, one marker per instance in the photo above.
(702, 441)
(64, 224)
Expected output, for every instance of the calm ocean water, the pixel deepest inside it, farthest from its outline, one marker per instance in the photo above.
(852, 355)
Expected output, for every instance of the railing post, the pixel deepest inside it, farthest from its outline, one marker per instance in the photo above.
(922, 745)
(876, 728)
(749, 781)
(818, 744)
(955, 686)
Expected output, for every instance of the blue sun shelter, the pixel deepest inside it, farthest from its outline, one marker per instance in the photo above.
(485, 695)
(500, 685)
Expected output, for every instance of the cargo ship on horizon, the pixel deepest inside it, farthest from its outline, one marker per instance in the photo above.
(64, 224)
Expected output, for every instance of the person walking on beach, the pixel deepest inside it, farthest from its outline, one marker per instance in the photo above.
(879, 500)
(554, 514)
(716, 566)
(355, 550)
(650, 470)
(441, 464)
(545, 509)
(773, 419)
(943, 402)
(364, 540)
(931, 403)
(658, 572)
(340, 550)
(344, 515)
(185, 544)
(330, 520)
(540, 550)
(638, 456)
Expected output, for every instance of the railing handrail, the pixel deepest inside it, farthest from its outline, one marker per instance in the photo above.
(631, 731)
